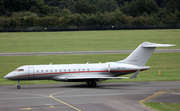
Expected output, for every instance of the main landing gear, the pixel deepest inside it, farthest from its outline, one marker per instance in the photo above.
(91, 83)
(18, 86)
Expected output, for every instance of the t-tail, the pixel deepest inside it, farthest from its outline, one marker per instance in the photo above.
(142, 53)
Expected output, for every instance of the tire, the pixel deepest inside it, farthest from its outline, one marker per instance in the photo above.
(18, 87)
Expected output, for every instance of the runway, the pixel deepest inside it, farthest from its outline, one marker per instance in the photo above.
(79, 52)
(123, 96)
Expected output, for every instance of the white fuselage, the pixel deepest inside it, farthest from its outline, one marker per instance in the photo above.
(61, 72)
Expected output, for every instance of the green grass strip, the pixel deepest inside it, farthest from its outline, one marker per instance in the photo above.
(163, 106)
(85, 40)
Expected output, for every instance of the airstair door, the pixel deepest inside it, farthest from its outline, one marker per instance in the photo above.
(31, 73)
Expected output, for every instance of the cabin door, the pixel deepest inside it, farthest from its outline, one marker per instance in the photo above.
(30, 73)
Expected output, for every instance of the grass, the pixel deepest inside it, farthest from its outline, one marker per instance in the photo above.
(163, 106)
(168, 63)
(89, 41)
(84, 40)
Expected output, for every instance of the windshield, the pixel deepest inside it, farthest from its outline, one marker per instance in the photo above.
(17, 70)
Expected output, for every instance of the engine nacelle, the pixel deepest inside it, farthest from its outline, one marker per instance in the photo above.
(121, 67)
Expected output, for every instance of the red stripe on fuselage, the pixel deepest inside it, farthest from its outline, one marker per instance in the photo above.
(57, 73)
(127, 71)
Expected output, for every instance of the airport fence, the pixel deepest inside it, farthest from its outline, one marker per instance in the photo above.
(81, 28)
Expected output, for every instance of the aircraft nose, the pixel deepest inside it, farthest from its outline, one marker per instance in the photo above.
(6, 77)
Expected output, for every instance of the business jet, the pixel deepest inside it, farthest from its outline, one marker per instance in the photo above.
(89, 73)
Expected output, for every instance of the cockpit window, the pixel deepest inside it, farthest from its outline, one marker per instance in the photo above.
(19, 70)
(16, 70)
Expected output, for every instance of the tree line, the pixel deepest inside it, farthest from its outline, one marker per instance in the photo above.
(46, 13)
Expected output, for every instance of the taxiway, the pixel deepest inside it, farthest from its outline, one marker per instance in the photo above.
(78, 97)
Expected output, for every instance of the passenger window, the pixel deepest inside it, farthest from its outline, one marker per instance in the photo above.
(37, 70)
(64, 70)
(41, 70)
(46, 70)
(69, 70)
(56, 70)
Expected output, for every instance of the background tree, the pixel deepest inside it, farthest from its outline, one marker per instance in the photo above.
(121, 2)
(137, 8)
(52, 2)
(118, 18)
(173, 5)
(107, 5)
(37, 6)
(67, 4)
(161, 3)
(65, 12)
(55, 11)
(30, 13)
(6, 7)
(83, 6)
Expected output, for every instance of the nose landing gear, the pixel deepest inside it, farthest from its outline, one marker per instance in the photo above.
(18, 86)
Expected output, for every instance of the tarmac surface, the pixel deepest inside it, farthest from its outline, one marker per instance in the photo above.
(125, 96)
(80, 52)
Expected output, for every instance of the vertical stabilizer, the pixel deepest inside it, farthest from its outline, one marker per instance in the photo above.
(142, 53)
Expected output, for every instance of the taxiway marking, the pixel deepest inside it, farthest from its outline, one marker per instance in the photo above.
(42, 108)
(50, 96)
(153, 96)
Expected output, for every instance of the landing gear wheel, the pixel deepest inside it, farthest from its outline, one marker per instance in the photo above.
(18, 86)
(88, 83)
(91, 83)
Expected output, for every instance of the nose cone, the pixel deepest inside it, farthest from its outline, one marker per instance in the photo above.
(6, 77)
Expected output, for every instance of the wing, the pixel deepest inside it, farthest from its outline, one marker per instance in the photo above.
(69, 78)
(73, 78)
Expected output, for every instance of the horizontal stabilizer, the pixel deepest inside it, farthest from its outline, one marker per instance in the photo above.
(149, 44)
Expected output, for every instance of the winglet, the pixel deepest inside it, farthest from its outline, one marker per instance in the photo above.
(135, 74)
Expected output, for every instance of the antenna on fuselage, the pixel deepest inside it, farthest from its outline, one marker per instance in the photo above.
(50, 64)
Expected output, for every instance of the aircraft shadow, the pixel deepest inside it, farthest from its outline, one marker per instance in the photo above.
(80, 85)
(99, 86)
